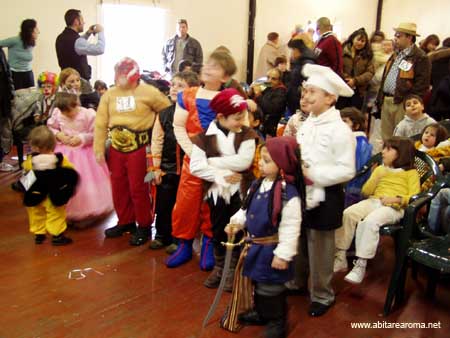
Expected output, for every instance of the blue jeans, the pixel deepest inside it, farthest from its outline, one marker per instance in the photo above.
(440, 202)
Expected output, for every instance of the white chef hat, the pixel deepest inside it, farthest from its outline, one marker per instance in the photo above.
(326, 79)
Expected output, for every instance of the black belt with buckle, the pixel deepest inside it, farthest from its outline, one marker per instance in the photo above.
(387, 95)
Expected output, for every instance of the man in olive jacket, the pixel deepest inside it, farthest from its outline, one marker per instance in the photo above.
(181, 47)
(407, 72)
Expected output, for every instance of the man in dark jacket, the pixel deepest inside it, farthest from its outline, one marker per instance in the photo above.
(301, 55)
(181, 47)
(72, 49)
(407, 72)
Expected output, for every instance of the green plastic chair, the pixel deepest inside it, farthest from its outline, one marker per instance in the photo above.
(428, 172)
(416, 242)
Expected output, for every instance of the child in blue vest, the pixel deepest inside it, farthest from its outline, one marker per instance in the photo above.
(272, 215)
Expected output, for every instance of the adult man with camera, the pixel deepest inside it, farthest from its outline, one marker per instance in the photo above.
(72, 48)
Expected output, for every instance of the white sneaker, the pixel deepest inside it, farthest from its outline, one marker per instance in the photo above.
(358, 272)
(6, 167)
(340, 261)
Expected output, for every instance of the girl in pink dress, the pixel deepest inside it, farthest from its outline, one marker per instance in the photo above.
(73, 126)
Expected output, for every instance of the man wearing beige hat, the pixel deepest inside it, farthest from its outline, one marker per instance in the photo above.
(407, 72)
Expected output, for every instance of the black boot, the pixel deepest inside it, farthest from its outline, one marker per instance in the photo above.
(61, 240)
(39, 238)
(140, 237)
(273, 309)
(215, 276)
(119, 230)
(230, 274)
(251, 317)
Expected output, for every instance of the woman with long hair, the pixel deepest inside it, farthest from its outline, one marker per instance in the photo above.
(20, 53)
(358, 67)
(430, 43)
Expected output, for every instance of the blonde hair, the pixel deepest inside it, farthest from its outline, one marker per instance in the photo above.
(65, 73)
(226, 62)
(306, 38)
(42, 138)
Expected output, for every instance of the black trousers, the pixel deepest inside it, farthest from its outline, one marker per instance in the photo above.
(166, 194)
(221, 213)
(23, 79)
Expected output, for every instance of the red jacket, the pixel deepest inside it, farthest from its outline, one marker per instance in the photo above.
(329, 52)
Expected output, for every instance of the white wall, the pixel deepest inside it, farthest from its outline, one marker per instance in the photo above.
(216, 22)
(431, 16)
(49, 15)
(281, 16)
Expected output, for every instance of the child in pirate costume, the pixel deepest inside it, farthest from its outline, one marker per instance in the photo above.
(328, 154)
(193, 115)
(49, 184)
(272, 215)
(128, 111)
(219, 157)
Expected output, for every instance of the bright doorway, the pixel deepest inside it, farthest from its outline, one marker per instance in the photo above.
(133, 31)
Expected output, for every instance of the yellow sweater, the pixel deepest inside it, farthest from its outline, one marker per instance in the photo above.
(387, 182)
(148, 102)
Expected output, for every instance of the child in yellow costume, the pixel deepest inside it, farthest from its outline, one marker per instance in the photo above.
(49, 183)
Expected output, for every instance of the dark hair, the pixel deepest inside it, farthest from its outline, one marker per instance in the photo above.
(181, 21)
(413, 37)
(197, 67)
(42, 138)
(446, 42)
(272, 36)
(405, 150)
(366, 52)
(297, 44)
(377, 34)
(355, 116)
(99, 84)
(26, 32)
(410, 97)
(66, 101)
(226, 62)
(183, 64)
(279, 60)
(430, 38)
(71, 15)
(257, 114)
(190, 77)
(441, 132)
(299, 182)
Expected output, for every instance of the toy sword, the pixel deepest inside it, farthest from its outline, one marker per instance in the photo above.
(230, 245)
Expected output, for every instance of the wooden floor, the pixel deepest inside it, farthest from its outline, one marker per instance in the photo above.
(128, 291)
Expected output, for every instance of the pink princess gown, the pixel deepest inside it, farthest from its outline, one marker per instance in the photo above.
(93, 197)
